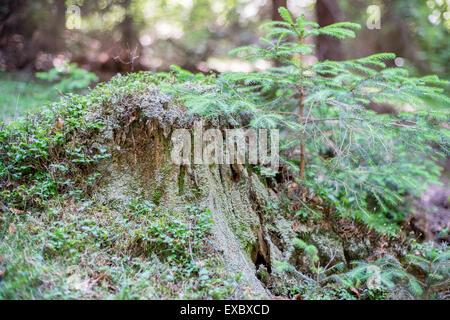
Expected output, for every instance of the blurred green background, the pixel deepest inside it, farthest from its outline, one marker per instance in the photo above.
(110, 36)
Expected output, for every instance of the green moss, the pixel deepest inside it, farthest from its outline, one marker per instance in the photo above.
(181, 180)
(156, 196)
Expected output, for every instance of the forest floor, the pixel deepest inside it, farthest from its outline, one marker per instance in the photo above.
(88, 250)
(20, 92)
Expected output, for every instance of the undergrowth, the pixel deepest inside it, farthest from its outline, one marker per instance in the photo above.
(84, 251)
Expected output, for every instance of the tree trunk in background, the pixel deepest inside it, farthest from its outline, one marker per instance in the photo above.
(16, 48)
(328, 48)
(23, 36)
(276, 17)
(130, 45)
(60, 25)
(275, 5)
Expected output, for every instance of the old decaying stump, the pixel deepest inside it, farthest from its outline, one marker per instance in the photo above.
(252, 226)
(141, 166)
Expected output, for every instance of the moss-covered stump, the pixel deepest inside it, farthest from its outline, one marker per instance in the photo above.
(103, 212)
(251, 229)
